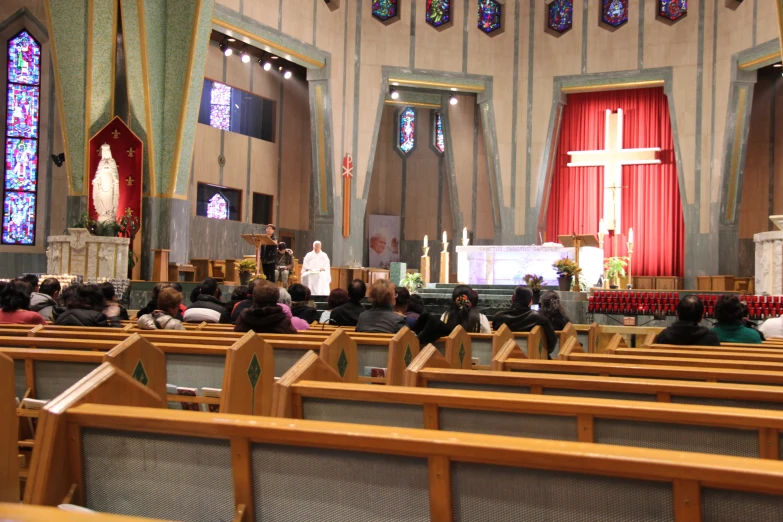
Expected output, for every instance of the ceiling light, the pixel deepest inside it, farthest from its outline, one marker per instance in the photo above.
(287, 75)
(223, 45)
(245, 57)
(778, 65)
(395, 84)
(273, 57)
(232, 39)
(267, 66)
(453, 100)
(454, 89)
(394, 94)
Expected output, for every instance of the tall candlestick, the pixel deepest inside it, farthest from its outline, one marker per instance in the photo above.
(630, 235)
(602, 228)
(426, 244)
(465, 234)
(445, 240)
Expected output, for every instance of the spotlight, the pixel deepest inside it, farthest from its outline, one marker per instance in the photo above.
(267, 66)
(232, 39)
(227, 51)
(453, 100)
(58, 159)
(287, 75)
(245, 57)
(394, 94)
(778, 65)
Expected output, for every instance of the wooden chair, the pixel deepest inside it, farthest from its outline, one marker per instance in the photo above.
(186, 273)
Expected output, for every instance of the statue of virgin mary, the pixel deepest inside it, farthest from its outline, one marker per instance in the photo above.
(106, 186)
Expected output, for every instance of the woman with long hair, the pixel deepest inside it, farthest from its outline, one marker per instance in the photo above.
(552, 309)
(463, 311)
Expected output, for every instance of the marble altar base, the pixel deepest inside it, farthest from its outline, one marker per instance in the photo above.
(89, 256)
(769, 263)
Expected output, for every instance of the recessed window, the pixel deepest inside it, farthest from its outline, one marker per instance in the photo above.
(217, 202)
(234, 110)
(262, 208)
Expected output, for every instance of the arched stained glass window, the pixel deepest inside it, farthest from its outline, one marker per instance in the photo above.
(407, 132)
(384, 10)
(20, 182)
(672, 9)
(217, 208)
(615, 12)
(438, 12)
(437, 133)
(488, 15)
(561, 15)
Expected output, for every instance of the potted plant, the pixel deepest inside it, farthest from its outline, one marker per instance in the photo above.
(615, 269)
(533, 282)
(247, 267)
(566, 270)
(129, 227)
(412, 282)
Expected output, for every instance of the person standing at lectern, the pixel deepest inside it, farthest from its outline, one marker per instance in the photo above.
(269, 255)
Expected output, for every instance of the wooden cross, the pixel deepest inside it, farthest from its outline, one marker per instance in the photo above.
(129, 181)
(131, 152)
(115, 133)
(612, 158)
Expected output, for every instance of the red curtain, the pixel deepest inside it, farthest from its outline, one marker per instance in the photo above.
(651, 202)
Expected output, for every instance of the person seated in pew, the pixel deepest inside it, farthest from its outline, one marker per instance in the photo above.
(284, 263)
(113, 308)
(686, 330)
(15, 302)
(301, 306)
(240, 294)
(731, 327)
(246, 303)
(84, 307)
(415, 309)
(337, 297)
(552, 309)
(208, 307)
(402, 298)
(285, 303)
(381, 318)
(152, 305)
(165, 317)
(178, 287)
(772, 328)
(266, 315)
(463, 312)
(45, 300)
(348, 314)
(520, 318)
(30, 279)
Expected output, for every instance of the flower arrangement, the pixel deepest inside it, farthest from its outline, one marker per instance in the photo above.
(533, 281)
(566, 267)
(412, 281)
(246, 265)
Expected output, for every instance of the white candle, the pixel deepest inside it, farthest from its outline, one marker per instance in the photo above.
(444, 237)
(602, 228)
(630, 235)
(425, 242)
(465, 233)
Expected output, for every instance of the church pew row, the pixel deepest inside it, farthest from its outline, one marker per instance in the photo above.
(24, 513)
(430, 370)
(151, 462)
(9, 426)
(310, 391)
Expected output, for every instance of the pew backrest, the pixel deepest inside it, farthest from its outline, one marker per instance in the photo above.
(9, 426)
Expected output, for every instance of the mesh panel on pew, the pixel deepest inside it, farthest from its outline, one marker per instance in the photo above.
(720, 505)
(285, 359)
(598, 394)
(20, 379)
(729, 403)
(195, 370)
(376, 413)
(553, 427)
(54, 377)
(445, 385)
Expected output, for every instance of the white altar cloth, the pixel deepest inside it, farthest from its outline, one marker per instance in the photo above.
(317, 282)
(79, 253)
(506, 265)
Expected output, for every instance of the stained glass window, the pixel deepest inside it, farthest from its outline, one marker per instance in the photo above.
(438, 12)
(561, 15)
(488, 15)
(615, 12)
(20, 181)
(672, 9)
(384, 9)
(439, 144)
(407, 130)
(220, 106)
(217, 208)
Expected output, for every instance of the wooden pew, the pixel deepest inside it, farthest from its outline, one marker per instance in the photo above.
(300, 394)
(9, 430)
(286, 470)
(430, 370)
(25, 513)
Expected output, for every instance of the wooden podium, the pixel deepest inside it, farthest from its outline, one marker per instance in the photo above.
(578, 241)
(258, 240)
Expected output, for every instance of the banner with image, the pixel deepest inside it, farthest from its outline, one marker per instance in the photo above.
(384, 240)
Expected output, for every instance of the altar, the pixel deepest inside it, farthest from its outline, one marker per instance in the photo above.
(80, 253)
(507, 265)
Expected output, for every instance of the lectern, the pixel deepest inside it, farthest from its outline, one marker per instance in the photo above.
(258, 240)
(578, 241)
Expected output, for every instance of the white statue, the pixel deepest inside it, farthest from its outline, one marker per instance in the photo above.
(106, 187)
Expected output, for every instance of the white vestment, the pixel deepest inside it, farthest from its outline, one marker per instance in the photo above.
(106, 187)
(316, 273)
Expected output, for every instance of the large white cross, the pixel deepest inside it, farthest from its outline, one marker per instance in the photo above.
(612, 158)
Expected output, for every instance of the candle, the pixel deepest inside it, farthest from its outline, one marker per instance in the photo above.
(630, 235)
(444, 237)
(602, 228)
(465, 233)
(425, 241)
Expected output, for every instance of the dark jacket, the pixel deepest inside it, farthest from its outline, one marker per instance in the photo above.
(241, 307)
(269, 253)
(380, 320)
(308, 313)
(522, 319)
(347, 314)
(687, 333)
(207, 303)
(79, 317)
(150, 307)
(269, 319)
(285, 259)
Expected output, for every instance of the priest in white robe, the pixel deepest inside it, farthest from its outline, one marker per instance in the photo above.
(316, 271)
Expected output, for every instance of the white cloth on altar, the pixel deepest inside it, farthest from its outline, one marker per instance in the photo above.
(316, 273)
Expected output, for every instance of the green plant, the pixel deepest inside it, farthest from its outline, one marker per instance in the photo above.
(412, 282)
(109, 228)
(566, 267)
(533, 281)
(246, 265)
(615, 267)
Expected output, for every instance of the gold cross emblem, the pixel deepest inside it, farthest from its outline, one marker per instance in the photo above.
(131, 152)
(115, 133)
(129, 181)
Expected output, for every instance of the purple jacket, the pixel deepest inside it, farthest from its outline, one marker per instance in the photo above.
(299, 324)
